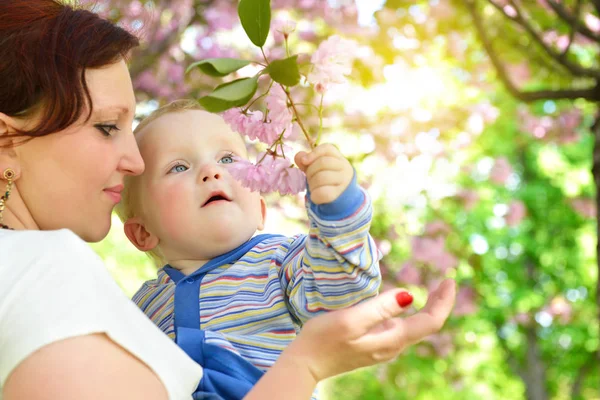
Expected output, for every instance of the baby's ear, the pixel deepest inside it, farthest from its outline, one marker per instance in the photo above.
(138, 235)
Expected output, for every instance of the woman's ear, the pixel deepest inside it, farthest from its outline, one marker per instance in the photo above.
(8, 154)
(138, 235)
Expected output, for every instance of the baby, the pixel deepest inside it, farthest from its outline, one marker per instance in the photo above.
(231, 299)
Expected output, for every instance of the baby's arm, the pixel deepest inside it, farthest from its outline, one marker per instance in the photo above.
(336, 265)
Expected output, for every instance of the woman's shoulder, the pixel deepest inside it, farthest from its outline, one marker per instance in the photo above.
(55, 252)
(35, 242)
(54, 286)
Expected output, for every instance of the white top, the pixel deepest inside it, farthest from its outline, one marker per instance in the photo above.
(53, 286)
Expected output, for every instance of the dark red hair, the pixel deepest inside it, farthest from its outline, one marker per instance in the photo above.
(45, 48)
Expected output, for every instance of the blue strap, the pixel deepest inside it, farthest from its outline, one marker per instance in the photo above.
(225, 373)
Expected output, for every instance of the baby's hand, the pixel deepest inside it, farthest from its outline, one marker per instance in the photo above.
(327, 171)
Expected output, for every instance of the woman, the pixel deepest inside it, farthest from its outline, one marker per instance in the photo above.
(66, 329)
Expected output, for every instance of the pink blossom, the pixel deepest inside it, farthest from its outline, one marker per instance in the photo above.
(516, 213)
(561, 309)
(279, 112)
(567, 124)
(146, 81)
(332, 62)
(436, 227)
(445, 261)
(282, 28)
(240, 122)
(538, 127)
(470, 198)
(519, 73)
(134, 10)
(221, 15)
(442, 343)
(175, 72)
(585, 207)
(308, 35)
(501, 171)
(290, 181)
(522, 318)
(270, 175)
(510, 11)
(432, 251)
(592, 22)
(559, 41)
(465, 301)
(409, 274)
(252, 124)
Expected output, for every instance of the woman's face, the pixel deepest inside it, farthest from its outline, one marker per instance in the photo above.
(73, 178)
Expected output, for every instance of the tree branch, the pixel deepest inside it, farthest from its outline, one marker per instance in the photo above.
(596, 174)
(581, 374)
(586, 93)
(562, 59)
(572, 20)
(574, 28)
(596, 4)
(511, 359)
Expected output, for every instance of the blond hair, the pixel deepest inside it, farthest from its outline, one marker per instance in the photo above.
(130, 205)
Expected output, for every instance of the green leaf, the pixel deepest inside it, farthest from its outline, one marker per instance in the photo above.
(218, 66)
(285, 71)
(255, 16)
(230, 94)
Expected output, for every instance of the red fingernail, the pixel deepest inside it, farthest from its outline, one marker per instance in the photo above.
(404, 299)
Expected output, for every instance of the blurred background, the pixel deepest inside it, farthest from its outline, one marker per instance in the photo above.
(474, 124)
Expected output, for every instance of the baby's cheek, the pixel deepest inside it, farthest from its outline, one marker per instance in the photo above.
(173, 208)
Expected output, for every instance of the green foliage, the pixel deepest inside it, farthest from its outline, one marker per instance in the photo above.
(218, 67)
(255, 16)
(285, 71)
(230, 94)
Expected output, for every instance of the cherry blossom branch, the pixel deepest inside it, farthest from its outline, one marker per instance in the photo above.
(520, 20)
(293, 105)
(574, 28)
(589, 93)
(572, 20)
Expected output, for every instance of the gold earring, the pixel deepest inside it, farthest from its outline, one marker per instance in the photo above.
(9, 175)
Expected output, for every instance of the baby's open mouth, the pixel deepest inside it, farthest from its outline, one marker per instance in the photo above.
(216, 197)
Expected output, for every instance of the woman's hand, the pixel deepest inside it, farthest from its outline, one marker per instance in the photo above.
(367, 333)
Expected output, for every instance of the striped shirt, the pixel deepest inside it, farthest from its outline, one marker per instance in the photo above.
(254, 299)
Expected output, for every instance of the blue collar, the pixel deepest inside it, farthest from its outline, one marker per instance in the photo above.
(228, 258)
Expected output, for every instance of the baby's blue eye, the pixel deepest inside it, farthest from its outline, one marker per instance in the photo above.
(227, 160)
(178, 168)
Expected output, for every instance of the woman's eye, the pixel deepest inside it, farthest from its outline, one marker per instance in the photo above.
(228, 159)
(178, 168)
(106, 129)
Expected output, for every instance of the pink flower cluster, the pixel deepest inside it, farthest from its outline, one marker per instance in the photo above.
(428, 250)
(253, 124)
(586, 207)
(332, 62)
(501, 171)
(270, 175)
(516, 213)
(561, 309)
(432, 251)
(562, 129)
